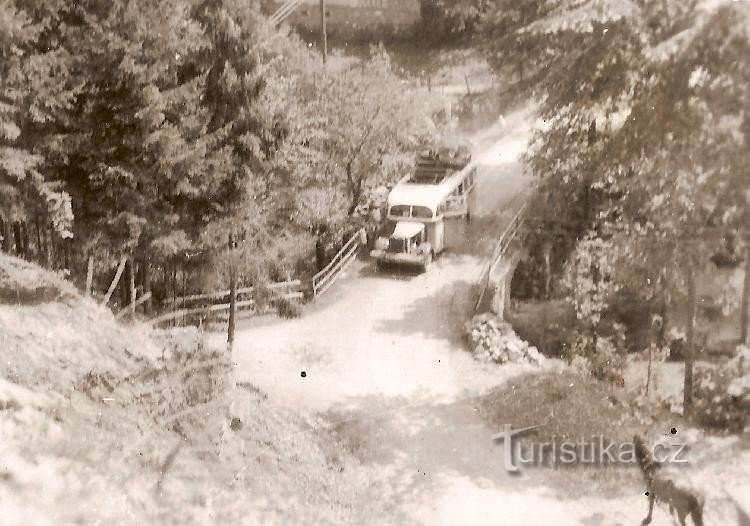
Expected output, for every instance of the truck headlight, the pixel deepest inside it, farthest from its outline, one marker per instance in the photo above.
(381, 243)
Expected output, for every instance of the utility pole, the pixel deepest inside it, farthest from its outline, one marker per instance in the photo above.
(323, 33)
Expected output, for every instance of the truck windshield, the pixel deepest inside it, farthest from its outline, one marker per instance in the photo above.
(401, 210)
(421, 212)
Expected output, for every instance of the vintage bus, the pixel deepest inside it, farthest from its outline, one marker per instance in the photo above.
(414, 232)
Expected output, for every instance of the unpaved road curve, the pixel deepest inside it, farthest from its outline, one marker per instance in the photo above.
(383, 357)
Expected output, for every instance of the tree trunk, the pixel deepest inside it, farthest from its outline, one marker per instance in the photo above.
(745, 300)
(66, 253)
(356, 188)
(50, 247)
(7, 239)
(547, 270)
(39, 245)
(648, 372)
(174, 288)
(132, 293)
(2, 234)
(690, 346)
(24, 240)
(146, 283)
(320, 252)
(17, 238)
(123, 289)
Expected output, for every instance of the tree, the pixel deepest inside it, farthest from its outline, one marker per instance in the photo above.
(30, 59)
(644, 146)
(351, 130)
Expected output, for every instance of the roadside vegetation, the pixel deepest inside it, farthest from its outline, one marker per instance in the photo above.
(164, 132)
(640, 182)
(184, 139)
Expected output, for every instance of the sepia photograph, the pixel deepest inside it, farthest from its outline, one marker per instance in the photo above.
(374, 262)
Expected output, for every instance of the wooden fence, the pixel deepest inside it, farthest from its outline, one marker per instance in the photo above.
(324, 279)
(213, 303)
(498, 252)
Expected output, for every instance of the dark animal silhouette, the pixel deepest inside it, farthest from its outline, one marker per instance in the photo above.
(681, 501)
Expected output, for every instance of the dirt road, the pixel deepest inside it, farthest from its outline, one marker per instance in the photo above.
(382, 356)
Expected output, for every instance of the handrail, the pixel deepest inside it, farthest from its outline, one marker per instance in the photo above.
(498, 251)
(325, 278)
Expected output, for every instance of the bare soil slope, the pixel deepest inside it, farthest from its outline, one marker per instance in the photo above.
(105, 424)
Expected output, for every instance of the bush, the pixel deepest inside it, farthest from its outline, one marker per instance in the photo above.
(492, 340)
(722, 394)
(288, 309)
(547, 325)
(606, 363)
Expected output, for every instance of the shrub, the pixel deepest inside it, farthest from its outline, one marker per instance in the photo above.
(722, 394)
(547, 324)
(288, 309)
(606, 363)
(492, 340)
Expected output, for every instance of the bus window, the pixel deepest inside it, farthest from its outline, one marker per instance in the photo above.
(422, 212)
(400, 210)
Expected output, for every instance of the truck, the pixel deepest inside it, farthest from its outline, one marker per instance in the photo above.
(440, 188)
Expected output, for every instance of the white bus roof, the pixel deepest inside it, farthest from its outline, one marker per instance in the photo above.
(409, 194)
(428, 195)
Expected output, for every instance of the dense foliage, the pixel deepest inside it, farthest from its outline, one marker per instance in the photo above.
(640, 162)
(156, 130)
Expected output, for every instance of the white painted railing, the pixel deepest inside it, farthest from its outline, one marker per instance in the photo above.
(323, 280)
(498, 252)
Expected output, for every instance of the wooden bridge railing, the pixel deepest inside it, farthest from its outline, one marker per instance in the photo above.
(501, 247)
(323, 280)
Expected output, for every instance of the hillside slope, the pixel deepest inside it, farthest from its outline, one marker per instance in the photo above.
(101, 423)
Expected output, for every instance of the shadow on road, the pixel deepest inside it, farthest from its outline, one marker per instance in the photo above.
(428, 446)
(440, 315)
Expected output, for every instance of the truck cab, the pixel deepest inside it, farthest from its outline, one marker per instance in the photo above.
(404, 243)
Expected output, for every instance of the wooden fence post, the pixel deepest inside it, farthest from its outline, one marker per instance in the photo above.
(115, 281)
(89, 276)
(232, 293)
